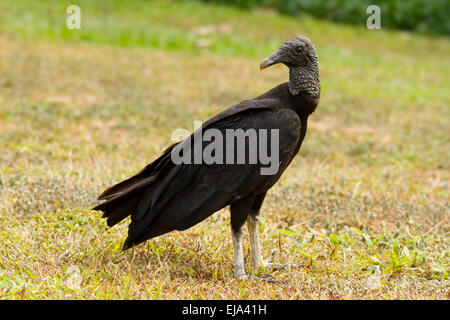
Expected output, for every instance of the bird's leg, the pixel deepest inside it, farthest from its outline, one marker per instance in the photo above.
(257, 260)
(239, 271)
(239, 211)
(242, 210)
(252, 224)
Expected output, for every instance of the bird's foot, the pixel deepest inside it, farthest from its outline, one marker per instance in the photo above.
(267, 278)
(241, 276)
(282, 266)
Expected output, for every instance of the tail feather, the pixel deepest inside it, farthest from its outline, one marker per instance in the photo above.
(119, 205)
(134, 196)
(126, 186)
(122, 211)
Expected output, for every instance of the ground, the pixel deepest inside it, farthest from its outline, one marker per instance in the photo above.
(364, 206)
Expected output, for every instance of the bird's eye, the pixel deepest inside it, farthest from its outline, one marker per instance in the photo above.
(299, 48)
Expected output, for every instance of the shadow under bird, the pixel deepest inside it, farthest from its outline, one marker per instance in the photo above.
(167, 196)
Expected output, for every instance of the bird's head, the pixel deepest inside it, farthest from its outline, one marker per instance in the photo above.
(296, 52)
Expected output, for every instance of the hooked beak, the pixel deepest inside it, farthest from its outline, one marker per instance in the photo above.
(273, 59)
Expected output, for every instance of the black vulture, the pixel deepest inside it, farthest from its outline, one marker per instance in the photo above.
(172, 195)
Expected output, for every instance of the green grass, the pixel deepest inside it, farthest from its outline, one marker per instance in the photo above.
(365, 203)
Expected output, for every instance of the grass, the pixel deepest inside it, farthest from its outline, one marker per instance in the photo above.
(364, 205)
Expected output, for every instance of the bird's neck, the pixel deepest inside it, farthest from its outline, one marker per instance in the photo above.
(305, 79)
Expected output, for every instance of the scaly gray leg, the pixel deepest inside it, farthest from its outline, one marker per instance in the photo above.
(252, 224)
(239, 271)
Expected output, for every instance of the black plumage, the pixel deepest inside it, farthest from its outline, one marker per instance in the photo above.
(166, 196)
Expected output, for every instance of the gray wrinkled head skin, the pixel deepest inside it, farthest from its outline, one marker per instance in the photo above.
(300, 56)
